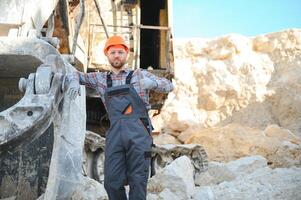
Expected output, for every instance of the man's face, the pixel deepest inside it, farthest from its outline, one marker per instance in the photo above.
(117, 56)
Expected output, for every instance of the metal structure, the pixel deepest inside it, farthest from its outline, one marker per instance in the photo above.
(36, 133)
(38, 128)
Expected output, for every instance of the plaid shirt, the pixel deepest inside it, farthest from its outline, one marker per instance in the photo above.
(98, 81)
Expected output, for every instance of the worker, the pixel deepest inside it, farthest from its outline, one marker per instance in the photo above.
(125, 94)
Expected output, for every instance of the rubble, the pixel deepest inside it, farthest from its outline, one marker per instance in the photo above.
(232, 79)
(263, 183)
(245, 178)
(220, 172)
(281, 149)
(176, 178)
(237, 96)
(89, 189)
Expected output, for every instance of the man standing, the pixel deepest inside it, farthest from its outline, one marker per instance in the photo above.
(125, 94)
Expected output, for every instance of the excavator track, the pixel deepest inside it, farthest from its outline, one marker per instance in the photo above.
(162, 155)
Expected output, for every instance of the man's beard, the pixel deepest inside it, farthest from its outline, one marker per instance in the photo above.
(117, 64)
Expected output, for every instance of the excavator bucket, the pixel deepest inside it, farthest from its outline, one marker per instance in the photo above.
(40, 141)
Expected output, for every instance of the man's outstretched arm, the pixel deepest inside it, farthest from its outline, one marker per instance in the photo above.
(88, 79)
(152, 82)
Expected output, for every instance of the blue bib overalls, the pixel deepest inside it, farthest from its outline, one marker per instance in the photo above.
(128, 142)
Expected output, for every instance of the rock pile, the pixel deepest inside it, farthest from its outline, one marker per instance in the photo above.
(245, 178)
(237, 96)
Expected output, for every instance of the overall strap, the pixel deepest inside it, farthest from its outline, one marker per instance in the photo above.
(129, 77)
(109, 80)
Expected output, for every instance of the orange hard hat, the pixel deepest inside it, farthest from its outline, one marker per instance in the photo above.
(115, 40)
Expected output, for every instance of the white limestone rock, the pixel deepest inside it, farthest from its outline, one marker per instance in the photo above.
(246, 165)
(264, 183)
(166, 194)
(216, 174)
(220, 172)
(254, 82)
(177, 177)
(90, 190)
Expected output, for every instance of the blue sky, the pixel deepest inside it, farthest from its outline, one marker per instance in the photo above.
(211, 18)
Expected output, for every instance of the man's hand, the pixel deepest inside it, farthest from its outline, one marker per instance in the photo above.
(73, 89)
(145, 82)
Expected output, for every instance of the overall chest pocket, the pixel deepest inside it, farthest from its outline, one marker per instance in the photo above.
(120, 103)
